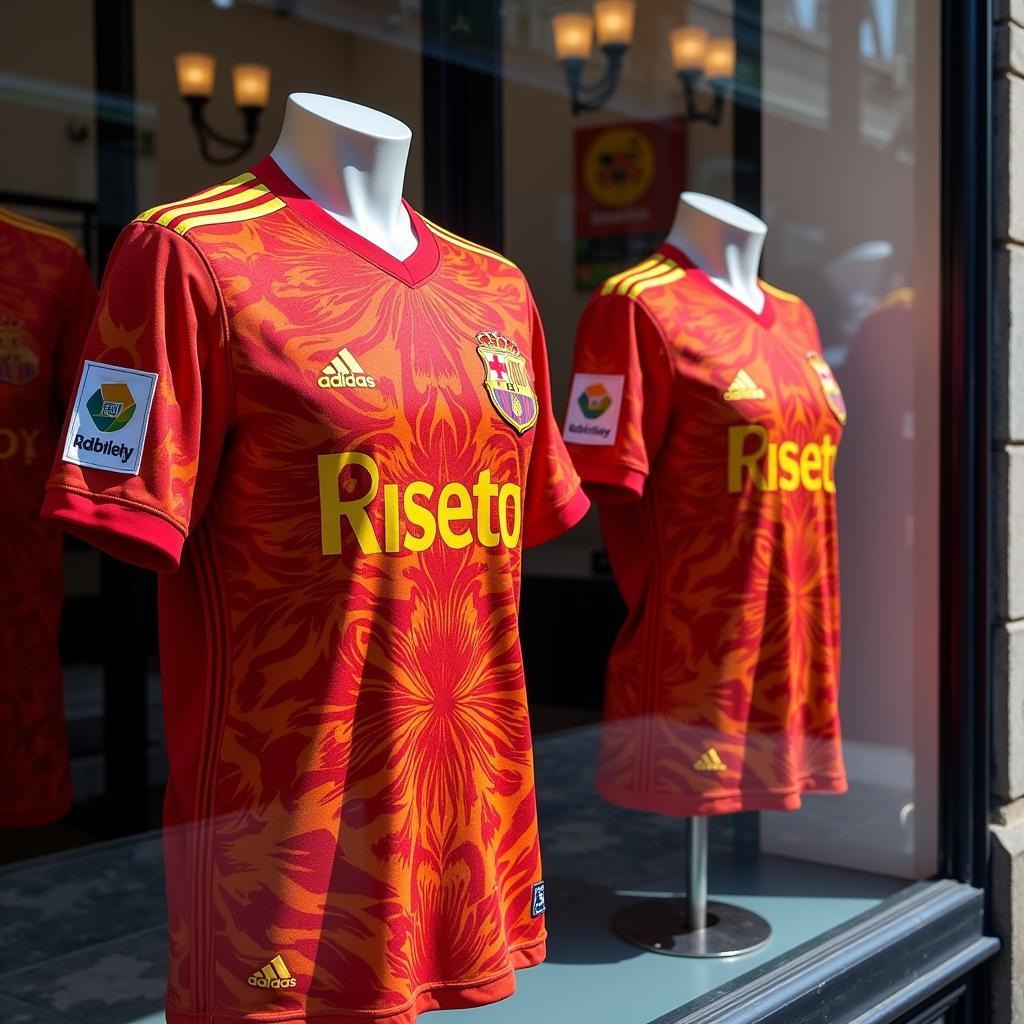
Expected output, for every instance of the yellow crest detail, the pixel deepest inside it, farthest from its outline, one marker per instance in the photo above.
(507, 380)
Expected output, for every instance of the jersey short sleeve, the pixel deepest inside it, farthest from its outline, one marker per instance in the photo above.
(554, 499)
(620, 397)
(148, 415)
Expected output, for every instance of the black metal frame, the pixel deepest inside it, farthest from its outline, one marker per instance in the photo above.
(462, 118)
(851, 969)
(127, 590)
(748, 31)
(966, 605)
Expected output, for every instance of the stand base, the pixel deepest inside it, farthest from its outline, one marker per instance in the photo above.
(661, 926)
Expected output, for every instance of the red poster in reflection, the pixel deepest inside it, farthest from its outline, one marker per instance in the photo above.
(627, 181)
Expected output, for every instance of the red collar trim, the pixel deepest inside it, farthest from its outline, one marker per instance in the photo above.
(765, 318)
(414, 271)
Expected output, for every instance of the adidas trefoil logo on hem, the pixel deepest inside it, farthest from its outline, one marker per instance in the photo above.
(344, 371)
(742, 387)
(273, 975)
(710, 762)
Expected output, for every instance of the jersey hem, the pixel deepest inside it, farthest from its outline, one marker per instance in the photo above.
(613, 481)
(565, 517)
(452, 995)
(725, 803)
(29, 818)
(127, 530)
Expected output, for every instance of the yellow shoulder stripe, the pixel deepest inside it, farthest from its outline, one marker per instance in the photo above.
(183, 204)
(230, 216)
(778, 292)
(213, 204)
(38, 228)
(901, 298)
(658, 281)
(464, 243)
(627, 285)
(609, 286)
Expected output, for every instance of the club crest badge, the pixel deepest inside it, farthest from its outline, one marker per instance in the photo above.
(506, 380)
(19, 355)
(829, 385)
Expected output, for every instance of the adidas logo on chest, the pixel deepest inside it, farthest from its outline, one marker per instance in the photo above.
(743, 388)
(344, 371)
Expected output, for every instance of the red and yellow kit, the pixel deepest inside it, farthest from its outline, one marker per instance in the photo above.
(46, 302)
(708, 434)
(339, 458)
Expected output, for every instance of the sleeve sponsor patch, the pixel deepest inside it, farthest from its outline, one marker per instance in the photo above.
(595, 403)
(107, 429)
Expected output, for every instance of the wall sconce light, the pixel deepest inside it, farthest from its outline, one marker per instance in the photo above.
(612, 22)
(251, 82)
(696, 57)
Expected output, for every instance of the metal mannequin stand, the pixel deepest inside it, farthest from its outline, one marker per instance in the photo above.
(693, 926)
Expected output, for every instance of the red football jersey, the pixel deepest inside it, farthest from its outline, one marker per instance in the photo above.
(708, 434)
(46, 301)
(335, 457)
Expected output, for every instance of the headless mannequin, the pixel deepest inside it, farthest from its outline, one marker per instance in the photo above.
(724, 241)
(350, 160)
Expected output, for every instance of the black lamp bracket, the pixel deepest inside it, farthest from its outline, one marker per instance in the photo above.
(597, 94)
(695, 111)
(206, 133)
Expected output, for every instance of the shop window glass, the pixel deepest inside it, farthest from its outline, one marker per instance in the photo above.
(841, 164)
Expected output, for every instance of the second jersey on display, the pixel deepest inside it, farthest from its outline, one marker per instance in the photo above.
(709, 434)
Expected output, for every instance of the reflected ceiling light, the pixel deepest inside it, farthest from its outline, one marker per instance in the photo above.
(251, 82)
(574, 33)
(697, 58)
(195, 73)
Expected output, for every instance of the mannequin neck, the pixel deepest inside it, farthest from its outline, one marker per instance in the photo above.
(350, 160)
(724, 241)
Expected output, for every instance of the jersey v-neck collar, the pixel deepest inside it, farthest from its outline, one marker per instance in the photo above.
(415, 270)
(767, 315)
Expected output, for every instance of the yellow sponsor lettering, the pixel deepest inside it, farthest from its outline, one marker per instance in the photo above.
(483, 492)
(811, 467)
(828, 464)
(333, 508)
(412, 518)
(509, 496)
(18, 444)
(459, 513)
(740, 460)
(778, 466)
(419, 515)
(391, 523)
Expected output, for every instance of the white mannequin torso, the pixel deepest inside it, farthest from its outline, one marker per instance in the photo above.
(724, 241)
(350, 160)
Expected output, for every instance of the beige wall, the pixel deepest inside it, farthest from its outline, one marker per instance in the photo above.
(303, 57)
(47, 80)
(1007, 862)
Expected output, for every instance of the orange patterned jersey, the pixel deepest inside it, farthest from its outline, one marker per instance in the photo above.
(708, 434)
(336, 457)
(46, 301)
